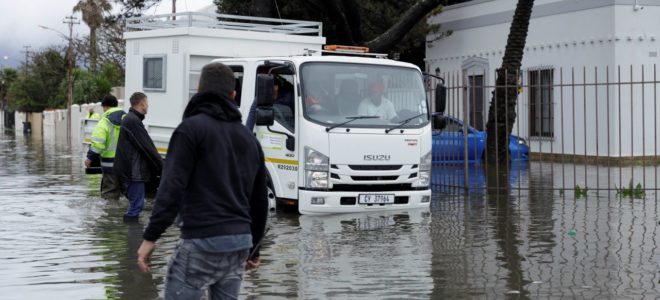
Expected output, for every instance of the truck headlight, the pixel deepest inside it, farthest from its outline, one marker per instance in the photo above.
(317, 169)
(424, 177)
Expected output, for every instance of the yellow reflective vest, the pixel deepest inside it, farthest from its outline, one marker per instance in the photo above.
(105, 136)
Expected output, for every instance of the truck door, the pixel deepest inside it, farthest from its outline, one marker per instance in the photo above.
(282, 161)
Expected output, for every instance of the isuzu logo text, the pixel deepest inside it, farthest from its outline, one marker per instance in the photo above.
(375, 157)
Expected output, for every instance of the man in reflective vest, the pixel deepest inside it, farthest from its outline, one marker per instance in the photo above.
(104, 146)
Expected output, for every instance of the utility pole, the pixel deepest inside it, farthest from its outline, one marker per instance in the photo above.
(27, 57)
(70, 20)
(173, 9)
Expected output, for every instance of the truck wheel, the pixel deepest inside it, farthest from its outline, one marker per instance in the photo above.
(272, 199)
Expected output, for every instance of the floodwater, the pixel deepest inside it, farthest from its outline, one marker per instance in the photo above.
(59, 240)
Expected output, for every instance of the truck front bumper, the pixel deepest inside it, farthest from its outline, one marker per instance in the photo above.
(347, 202)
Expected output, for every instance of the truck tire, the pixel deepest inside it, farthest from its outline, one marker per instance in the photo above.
(270, 194)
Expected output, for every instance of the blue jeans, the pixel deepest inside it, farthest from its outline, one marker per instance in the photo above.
(195, 267)
(135, 195)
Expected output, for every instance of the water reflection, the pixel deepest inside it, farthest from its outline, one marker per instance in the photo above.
(362, 255)
(447, 177)
(119, 243)
(59, 240)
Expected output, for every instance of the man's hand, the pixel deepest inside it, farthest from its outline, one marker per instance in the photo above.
(88, 163)
(144, 255)
(253, 263)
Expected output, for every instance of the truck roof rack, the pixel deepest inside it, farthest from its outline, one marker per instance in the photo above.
(223, 21)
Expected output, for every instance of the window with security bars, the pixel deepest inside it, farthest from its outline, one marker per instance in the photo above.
(154, 73)
(541, 113)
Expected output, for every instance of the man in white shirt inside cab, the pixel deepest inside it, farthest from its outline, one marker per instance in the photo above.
(376, 104)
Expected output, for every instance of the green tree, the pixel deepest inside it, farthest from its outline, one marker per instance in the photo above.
(502, 111)
(109, 43)
(38, 87)
(89, 87)
(92, 15)
(7, 77)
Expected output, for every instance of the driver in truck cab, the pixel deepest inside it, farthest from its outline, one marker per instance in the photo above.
(375, 104)
(282, 95)
(317, 97)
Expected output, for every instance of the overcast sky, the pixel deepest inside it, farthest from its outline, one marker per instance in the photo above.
(19, 21)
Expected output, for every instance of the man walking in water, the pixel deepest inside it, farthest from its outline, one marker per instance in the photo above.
(104, 146)
(137, 161)
(215, 180)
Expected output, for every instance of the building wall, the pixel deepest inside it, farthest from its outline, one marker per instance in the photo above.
(578, 52)
(639, 31)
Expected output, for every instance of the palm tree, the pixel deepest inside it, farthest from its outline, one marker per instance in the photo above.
(92, 15)
(502, 111)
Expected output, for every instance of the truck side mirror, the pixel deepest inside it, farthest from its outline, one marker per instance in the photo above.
(265, 84)
(440, 98)
(290, 143)
(265, 116)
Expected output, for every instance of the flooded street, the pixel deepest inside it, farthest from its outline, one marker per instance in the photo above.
(60, 240)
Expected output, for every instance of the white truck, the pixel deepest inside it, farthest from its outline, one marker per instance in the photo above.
(329, 148)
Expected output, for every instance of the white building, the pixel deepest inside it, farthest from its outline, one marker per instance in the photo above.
(566, 37)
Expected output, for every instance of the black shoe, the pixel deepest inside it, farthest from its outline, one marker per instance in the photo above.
(131, 219)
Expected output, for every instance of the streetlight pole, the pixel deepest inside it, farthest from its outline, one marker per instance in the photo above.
(70, 20)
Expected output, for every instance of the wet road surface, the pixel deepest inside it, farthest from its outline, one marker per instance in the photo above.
(59, 240)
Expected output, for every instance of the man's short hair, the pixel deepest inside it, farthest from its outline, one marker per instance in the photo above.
(218, 78)
(109, 101)
(136, 98)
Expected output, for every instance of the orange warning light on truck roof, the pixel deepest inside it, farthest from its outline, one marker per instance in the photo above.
(344, 48)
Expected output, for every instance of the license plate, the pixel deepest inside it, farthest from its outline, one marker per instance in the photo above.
(376, 199)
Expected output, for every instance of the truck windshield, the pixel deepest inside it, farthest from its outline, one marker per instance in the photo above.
(333, 92)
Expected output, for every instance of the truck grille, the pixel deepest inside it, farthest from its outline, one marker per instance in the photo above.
(374, 178)
(375, 167)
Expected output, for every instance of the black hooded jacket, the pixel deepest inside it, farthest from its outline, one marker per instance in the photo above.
(137, 158)
(214, 175)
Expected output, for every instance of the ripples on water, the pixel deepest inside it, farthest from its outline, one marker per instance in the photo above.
(59, 240)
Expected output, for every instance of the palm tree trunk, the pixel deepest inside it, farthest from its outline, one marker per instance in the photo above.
(502, 111)
(93, 53)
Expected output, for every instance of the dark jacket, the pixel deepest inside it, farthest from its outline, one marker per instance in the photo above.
(137, 158)
(214, 175)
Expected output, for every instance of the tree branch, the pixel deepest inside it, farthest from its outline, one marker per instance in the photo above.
(398, 31)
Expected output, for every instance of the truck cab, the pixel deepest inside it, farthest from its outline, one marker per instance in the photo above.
(340, 134)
